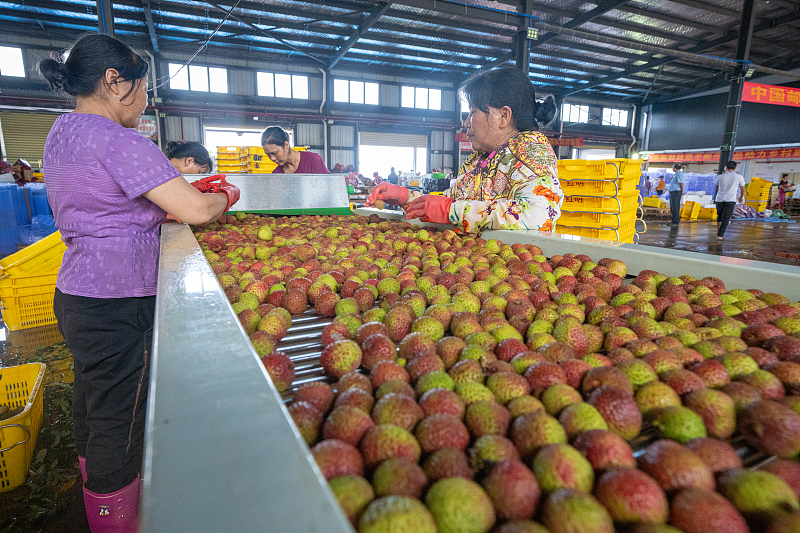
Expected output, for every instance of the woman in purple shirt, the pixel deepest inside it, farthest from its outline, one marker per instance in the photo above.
(110, 189)
(275, 142)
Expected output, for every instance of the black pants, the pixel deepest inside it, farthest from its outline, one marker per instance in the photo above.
(724, 213)
(675, 206)
(110, 340)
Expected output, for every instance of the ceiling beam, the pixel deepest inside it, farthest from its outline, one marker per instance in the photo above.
(359, 32)
(151, 28)
(601, 9)
(711, 8)
(702, 47)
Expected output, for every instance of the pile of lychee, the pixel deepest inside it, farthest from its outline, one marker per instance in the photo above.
(494, 389)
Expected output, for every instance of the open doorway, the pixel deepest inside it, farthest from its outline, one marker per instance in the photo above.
(381, 159)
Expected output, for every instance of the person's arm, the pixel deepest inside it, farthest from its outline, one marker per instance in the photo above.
(532, 204)
(186, 203)
(741, 194)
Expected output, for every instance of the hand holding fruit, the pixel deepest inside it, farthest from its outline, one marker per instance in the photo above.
(430, 208)
(209, 185)
(390, 194)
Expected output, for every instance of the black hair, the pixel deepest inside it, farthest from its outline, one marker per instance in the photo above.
(89, 59)
(274, 135)
(508, 86)
(182, 149)
(731, 165)
(676, 166)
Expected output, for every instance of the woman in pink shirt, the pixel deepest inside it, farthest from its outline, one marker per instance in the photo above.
(110, 190)
(275, 142)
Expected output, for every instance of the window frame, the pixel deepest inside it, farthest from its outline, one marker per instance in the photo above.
(608, 115)
(580, 109)
(182, 71)
(21, 64)
(293, 79)
(361, 85)
(414, 91)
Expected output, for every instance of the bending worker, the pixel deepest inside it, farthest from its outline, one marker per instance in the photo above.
(110, 190)
(510, 181)
(276, 146)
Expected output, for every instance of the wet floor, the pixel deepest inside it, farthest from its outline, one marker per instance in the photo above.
(746, 239)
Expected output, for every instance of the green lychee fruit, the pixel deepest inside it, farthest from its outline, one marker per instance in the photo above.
(572, 511)
(758, 495)
(530, 431)
(558, 396)
(386, 441)
(654, 396)
(353, 494)
(394, 514)
(460, 506)
(399, 477)
(559, 466)
(716, 409)
(680, 424)
(579, 417)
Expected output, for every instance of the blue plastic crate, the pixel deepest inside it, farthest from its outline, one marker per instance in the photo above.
(29, 234)
(37, 196)
(8, 241)
(8, 218)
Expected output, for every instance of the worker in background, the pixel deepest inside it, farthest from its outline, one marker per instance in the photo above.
(510, 181)
(783, 188)
(276, 146)
(728, 191)
(675, 193)
(110, 189)
(392, 177)
(660, 186)
(188, 157)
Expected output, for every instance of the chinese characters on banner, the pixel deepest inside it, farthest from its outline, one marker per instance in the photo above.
(770, 94)
(147, 127)
(710, 157)
(565, 142)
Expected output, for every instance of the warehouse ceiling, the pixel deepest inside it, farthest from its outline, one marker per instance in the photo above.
(610, 53)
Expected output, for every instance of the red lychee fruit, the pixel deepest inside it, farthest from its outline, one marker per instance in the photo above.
(308, 420)
(442, 431)
(716, 454)
(398, 410)
(317, 393)
(347, 424)
(513, 489)
(446, 463)
(385, 442)
(337, 458)
(604, 449)
(340, 357)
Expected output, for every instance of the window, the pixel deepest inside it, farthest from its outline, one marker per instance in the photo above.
(575, 113)
(282, 85)
(11, 62)
(421, 98)
(355, 92)
(198, 78)
(615, 117)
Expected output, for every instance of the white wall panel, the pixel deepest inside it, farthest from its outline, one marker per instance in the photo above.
(242, 82)
(309, 134)
(191, 129)
(343, 136)
(343, 157)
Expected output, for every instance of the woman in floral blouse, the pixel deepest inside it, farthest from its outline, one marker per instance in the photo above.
(510, 181)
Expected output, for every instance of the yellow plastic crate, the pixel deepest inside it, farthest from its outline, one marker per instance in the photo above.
(598, 220)
(19, 386)
(228, 169)
(690, 211)
(570, 169)
(28, 302)
(251, 150)
(228, 150)
(627, 233)
(707, 213)
(263, 166)
(652, 201)
(41, 257)
(605, 204)
(594, 187)
(758, 206)
(224, 158)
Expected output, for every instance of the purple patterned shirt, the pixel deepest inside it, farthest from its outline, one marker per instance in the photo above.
(96, 172)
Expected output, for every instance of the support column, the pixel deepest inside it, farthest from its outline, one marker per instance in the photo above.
(737, 85)
(522, 51)
(105, 17)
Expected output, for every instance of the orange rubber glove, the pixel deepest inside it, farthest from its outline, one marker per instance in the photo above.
(391, 194)
(430, 208)
(210, 184)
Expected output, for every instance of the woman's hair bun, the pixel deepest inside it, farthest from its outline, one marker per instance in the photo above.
(546, 111)
(54, 72)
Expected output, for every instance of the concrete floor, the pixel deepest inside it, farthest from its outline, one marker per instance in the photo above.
(746, 239)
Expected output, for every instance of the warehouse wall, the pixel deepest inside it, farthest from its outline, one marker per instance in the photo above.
(694, 123)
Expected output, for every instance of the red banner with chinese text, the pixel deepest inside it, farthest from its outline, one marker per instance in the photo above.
(565, 142)
(710, 157)
(770, 94)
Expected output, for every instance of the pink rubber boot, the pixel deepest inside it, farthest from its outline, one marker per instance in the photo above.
(117, 512)
(82, 463)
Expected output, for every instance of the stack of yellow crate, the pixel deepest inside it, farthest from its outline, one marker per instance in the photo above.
(758, 193)
(252, 159)
(600, 198)
(690, 210)
(228, 159)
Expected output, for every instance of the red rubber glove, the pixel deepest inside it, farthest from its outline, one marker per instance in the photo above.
(210, 184)
(391, 194)
(430, 208)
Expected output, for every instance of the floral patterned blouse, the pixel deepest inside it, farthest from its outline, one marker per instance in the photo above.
(514, 187)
